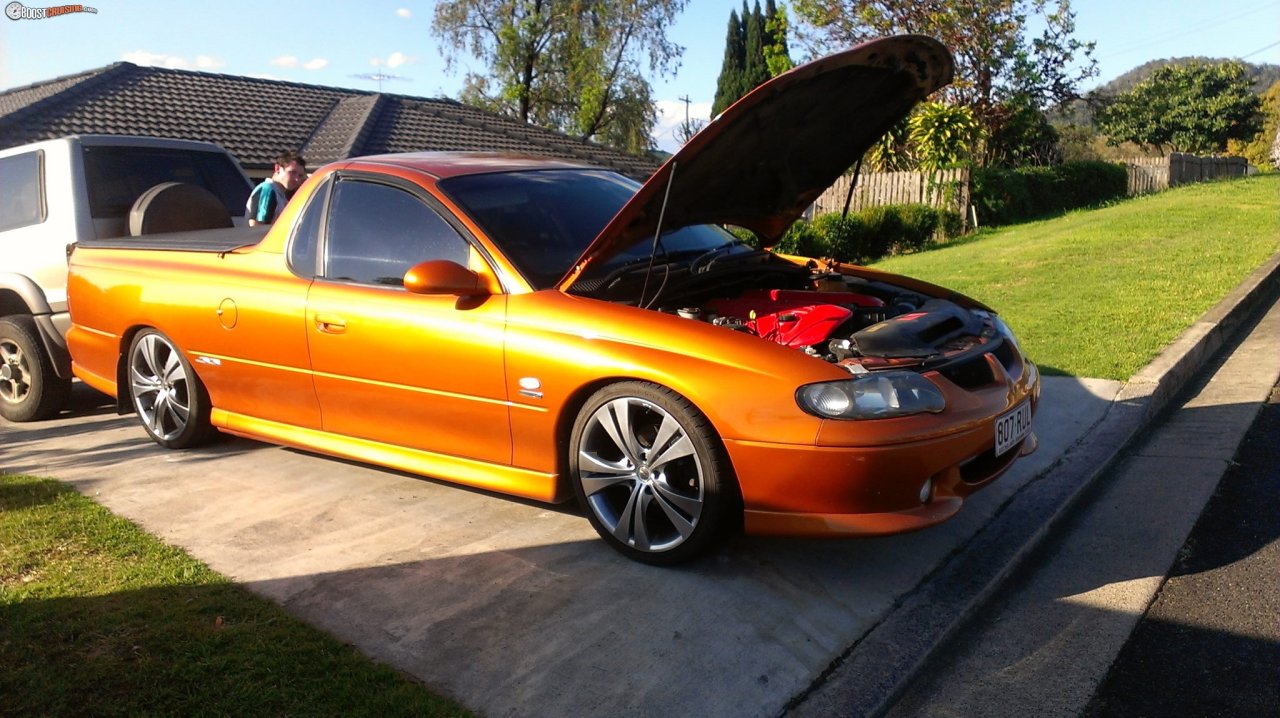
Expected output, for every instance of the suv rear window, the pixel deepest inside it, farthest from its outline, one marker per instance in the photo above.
(21, 199)
(118, 175)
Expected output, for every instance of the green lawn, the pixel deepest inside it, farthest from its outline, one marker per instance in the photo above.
(98, 617)
(1101, 292)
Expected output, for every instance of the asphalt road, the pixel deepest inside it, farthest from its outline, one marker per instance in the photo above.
(1210, 643)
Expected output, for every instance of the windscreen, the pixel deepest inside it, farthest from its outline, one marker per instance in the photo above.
(543, 220)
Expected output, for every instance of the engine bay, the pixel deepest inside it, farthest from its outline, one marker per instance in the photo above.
(859, 324)
(862, 323)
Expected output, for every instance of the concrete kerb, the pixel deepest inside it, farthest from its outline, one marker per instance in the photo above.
(869, 676)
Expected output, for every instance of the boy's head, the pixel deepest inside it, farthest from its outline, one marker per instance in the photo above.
(290, 171)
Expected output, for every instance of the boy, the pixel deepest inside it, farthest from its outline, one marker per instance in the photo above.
(268, 198)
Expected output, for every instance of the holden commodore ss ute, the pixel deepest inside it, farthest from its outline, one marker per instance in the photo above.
(556, 331)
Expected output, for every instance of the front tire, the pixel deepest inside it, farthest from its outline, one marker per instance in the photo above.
(30, 389)
(172, 404)
(651, 474)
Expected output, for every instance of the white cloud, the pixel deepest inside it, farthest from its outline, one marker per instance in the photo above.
(202, 62)
(394, 60)
(404, 13)
(292, 62)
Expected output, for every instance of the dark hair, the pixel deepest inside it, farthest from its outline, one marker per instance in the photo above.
(289, 156)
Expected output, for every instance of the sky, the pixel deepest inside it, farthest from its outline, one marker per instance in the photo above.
(347, 44)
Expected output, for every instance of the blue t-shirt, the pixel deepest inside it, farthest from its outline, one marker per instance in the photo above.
(265, 202)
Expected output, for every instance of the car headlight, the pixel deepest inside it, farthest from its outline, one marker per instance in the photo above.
(879, 395)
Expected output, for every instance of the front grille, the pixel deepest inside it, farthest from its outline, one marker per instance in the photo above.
(970, 373)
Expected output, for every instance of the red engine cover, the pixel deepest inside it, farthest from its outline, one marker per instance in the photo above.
(792, 317)
(800, 326)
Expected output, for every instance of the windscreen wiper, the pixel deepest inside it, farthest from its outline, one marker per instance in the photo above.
(711, 255)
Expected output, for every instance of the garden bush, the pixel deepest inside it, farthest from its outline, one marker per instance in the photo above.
(870, 234)
(1004, 196)
(801, 238)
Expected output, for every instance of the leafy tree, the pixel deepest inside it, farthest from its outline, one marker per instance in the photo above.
(892, 152)
(996, 59)
(936, 136)
(942, 135)
(1262, 75)
(1022, 136)
(777, 55)
(1259, 149)
(577, 66)
(1192, 108)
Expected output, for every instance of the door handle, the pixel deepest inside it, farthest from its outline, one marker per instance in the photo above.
(330, 324)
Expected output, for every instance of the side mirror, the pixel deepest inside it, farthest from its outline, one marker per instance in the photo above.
(441, 276)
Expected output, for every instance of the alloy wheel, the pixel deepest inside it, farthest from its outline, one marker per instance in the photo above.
(641, 474)
(161, 387)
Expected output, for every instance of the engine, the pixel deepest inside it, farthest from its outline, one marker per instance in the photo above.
(861, 325)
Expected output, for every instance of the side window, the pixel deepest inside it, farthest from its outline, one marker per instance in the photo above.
(377, 232)
(306, 235)
(21, 199)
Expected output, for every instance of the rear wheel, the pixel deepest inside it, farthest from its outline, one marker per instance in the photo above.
(30, 389)
(170, 400)
(651, 474)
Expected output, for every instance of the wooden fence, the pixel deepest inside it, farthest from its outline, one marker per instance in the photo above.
(950, 188)
(1152, 174)
(947, 188)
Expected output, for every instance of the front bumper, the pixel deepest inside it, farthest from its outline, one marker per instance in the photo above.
(947, 491)
(850, 490)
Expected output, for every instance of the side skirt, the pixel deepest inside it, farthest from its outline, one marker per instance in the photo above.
(480, 474)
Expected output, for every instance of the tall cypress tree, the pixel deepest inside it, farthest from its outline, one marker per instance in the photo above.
(756, 70)
(729, 84)
(755, 49)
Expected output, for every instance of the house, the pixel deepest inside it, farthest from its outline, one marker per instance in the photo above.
(256, 119)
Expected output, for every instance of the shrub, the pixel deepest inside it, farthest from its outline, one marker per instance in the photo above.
(745, 235)
(883, 229)
(919, 225)
(1006, 196)
(870, 234)
(999, 196)
(801, 238)
(842, 237)
(1092, 183)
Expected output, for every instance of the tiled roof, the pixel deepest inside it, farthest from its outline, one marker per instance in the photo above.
(255, 119)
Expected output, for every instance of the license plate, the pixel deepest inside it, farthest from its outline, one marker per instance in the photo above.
(1012, 427)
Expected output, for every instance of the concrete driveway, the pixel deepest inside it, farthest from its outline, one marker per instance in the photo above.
(511, 607)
